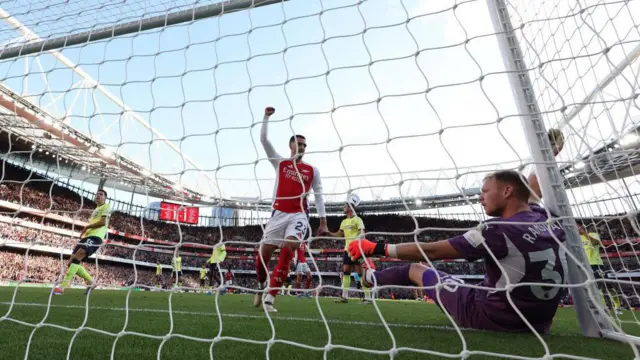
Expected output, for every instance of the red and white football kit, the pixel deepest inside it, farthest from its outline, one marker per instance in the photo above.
(301, 260)
(294, 180)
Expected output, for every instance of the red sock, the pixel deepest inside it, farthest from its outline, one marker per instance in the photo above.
(297, 283)
(261, 269)
(307, 282)
(281, 271)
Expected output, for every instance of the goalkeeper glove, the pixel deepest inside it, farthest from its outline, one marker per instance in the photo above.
(359, 248)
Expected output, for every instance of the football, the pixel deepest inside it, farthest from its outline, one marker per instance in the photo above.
(353, 199)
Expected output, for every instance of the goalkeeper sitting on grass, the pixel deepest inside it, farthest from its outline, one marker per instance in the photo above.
(517, 247)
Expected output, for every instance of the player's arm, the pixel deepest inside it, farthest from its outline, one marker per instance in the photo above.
(273, 156)
(100, 223)
(439, 250)
(95, 225)
(593, 240)
(472, 245)
(340, 232)
(556, 138)
(223, 253)
(536, 193)
(319, 197)
(360, 228)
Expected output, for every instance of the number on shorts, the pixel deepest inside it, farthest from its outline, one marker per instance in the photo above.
(301, 228)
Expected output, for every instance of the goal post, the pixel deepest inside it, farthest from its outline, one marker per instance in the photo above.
(546, 169)
(592, 315)
(409, 104)
(31, 45)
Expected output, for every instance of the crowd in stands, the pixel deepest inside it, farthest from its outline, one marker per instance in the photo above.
(28, 235)
(31, 190)
(48, 269)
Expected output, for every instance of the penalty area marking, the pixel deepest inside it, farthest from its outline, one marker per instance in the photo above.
(252, 316)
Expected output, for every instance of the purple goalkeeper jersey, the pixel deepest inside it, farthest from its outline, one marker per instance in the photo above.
(527, 251)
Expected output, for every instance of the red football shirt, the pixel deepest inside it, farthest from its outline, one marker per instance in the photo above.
(294, 180)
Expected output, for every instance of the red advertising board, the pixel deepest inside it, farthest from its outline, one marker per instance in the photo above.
(173, 212)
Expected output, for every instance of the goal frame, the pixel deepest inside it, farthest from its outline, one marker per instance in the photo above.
(34, 46)
(591, 316)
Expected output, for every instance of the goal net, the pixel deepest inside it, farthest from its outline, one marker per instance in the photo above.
(409, 104)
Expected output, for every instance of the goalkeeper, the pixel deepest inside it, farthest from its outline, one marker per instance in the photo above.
(590, 240)
(516, 250)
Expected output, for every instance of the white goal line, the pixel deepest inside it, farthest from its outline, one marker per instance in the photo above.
(251, 316)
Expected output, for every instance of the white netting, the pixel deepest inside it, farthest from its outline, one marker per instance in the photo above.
(406, 103)
(585, 76)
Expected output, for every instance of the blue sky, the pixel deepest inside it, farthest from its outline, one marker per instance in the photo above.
(191, 82)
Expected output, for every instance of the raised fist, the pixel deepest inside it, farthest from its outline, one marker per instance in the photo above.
(268, 111)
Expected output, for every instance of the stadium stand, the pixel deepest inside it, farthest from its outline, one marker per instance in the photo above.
(58, 208)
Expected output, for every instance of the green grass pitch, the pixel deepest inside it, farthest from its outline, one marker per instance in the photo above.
(183, 326)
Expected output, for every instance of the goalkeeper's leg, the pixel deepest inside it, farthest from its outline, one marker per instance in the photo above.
(457, 301)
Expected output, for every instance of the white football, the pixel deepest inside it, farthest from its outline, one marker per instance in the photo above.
(353, 199)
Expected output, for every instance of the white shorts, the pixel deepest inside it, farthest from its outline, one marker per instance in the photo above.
(228, 282)
(302, 268)
(283, 225)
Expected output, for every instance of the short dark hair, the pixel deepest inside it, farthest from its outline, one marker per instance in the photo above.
(103, 191)
(352, 207)
(294, 137)
(515, 179)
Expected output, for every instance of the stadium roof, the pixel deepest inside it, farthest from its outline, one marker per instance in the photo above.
(31, 133)
(35, 134)
(617, 159)
(471, 196)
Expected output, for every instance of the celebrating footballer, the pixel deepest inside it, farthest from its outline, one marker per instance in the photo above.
(289, 222)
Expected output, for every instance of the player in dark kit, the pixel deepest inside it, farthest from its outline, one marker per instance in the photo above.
(525, 249)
